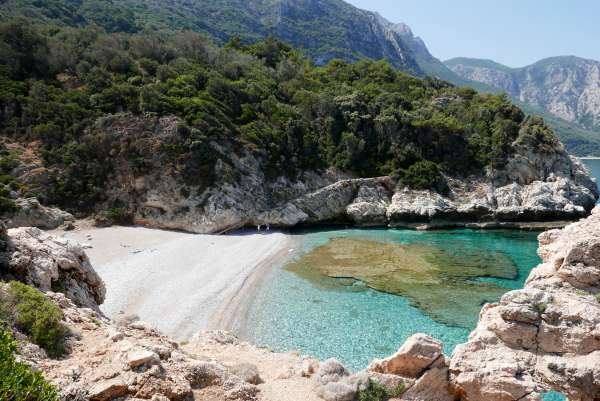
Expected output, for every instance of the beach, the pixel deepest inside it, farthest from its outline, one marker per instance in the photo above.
(177, 282)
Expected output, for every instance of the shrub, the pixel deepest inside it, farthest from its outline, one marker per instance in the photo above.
(598, 297)
(31, 312)
(119, 215)
(17, 381)
(423, 174)
(375, 391)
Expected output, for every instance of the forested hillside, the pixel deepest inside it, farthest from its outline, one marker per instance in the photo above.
(322, 29)
(565, 90)
(366, 118)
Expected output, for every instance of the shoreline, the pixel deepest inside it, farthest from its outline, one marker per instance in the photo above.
(180, 283)
(232, 315)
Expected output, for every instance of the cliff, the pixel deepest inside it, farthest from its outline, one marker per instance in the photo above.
(536, 185)
(545, 336)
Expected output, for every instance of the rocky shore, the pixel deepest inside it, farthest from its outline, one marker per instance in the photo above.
(539, 186)
(543, 337)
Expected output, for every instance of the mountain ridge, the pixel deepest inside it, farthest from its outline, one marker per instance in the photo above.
(566, 87)
(322, 29)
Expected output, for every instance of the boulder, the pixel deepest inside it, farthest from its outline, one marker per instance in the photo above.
(31, 213)
(139, 357)
(52, 263)
(418, 353)
(107, 390)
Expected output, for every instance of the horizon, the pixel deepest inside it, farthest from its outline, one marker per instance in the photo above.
(538, 29)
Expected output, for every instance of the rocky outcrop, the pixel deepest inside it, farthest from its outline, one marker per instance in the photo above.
(537, 184)
(545, 336)
(50, 263)
(31, 213)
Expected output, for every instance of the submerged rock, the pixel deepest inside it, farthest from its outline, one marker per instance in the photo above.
(441, 283)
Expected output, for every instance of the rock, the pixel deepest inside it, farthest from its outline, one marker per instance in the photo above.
(115, 335)
(337, 391)
(247, 372)
(331, 370)
(33, 214)
(544, 337)
(417, 354)
(309, 367)
(107, 390)
(47, 262)
(434, 385)
(136, 358)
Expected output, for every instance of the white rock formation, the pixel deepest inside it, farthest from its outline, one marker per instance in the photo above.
(545, 336)
(47, 262)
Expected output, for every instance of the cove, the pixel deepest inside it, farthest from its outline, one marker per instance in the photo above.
(329, 313)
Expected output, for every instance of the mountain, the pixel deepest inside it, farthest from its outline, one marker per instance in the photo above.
(566, 90)
(324, 29)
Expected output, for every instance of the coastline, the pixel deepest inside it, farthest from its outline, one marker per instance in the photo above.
(177, 282)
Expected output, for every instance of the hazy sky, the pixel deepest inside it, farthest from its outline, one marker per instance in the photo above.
(512, 32)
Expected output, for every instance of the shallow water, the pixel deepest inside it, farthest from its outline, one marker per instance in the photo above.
(356, 324)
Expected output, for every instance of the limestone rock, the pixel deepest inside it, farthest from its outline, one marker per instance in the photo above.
(32, 213)
(545, 336)
(140, 357)
(48, 263)
(108, 390)
(417, 354)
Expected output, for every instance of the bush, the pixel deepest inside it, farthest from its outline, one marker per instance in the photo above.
(31, 312)
(377, 392)
(115, 215)
(421, 175)
(17, 381)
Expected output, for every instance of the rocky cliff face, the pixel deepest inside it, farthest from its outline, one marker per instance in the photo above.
(567, 87)
(545, 336)
(536, 185)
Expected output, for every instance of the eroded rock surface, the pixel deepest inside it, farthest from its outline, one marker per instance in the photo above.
(545, 336)
(536, 184)
(31, 213)
(52, 263)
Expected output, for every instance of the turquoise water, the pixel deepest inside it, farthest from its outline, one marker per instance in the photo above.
(355, 324)
(594, 166)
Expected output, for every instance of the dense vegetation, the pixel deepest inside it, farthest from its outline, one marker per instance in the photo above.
(365, 117)
(17, 381)
(323, 29)
(28, 310)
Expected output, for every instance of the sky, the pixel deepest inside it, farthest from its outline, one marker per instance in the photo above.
(512, 32)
